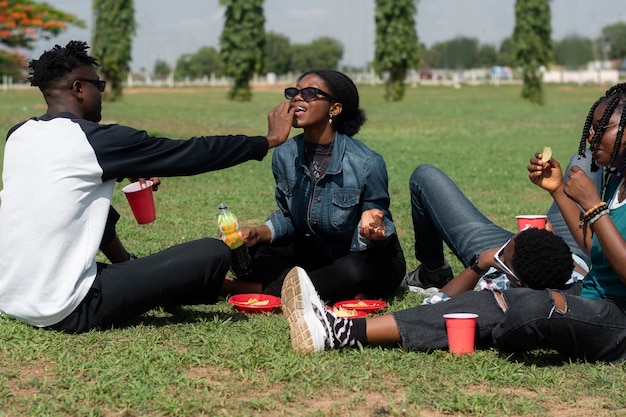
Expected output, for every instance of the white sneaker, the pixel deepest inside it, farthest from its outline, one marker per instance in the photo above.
(309, 328)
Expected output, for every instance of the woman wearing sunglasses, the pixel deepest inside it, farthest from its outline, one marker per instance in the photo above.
(333, 215)
(590, 326)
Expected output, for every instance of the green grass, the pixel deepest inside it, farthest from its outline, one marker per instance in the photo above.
(210, 360)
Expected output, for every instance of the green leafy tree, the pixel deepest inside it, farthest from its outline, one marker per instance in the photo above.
(300, 59)
(461, 53)
(506, 53)
(24, 22)
(161, 70)
(112, 41)
(243, 44)
(324, 52)
(614, 40)
(573, 51)
(533, 45)
(433, 56)
(486, 56)
(206, 61)
(278, 53)
(397, 46)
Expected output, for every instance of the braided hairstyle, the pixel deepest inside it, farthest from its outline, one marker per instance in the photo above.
(614, 97)
(59, 61)
(542, 259)
(343, 90)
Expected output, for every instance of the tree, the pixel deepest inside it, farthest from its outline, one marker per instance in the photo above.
(506, 53)
(433, 57)
(243, 44)
(460, 53)
(324, 52)
(533, 45)
(162, 69)
(24, 22)
(573, 51)
(278, 53)
(397, 46)
(112, 41)
(486, 56)
(614, 40)
(206, 61)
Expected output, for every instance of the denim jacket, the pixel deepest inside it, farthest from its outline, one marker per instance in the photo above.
(329, 213)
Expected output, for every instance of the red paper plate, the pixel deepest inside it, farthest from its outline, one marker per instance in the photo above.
(254, 303)
(368, 306)
(357, 314)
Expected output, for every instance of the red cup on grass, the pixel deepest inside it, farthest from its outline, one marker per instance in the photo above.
(461, 328)
(141, 201)
(525, 221)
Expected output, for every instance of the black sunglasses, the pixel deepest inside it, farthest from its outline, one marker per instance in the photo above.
(100, 84)
(307, 93)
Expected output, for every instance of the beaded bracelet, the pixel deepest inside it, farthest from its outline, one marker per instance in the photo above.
(593, 212)
(594, 208)
(597, 216)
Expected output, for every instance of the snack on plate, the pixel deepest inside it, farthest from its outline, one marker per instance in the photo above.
(255, 302)
(344, 312)
(378, 221)
(359, 304)
(546, 155)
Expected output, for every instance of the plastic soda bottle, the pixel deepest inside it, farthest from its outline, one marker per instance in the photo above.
(229, 233)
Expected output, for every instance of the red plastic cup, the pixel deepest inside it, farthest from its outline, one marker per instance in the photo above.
(525, 221)
(461, 329)
(141, 201)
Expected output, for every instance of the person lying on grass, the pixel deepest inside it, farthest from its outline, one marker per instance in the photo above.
(442, 213)
(590, 326)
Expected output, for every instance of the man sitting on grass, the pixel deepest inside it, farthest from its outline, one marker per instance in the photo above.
(59, 174)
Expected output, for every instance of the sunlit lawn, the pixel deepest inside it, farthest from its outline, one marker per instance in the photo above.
(211, 360)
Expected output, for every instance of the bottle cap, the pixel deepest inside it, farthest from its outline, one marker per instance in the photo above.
(222, 206)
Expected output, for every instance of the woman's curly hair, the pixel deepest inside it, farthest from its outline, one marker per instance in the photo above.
(542, 259)
(57, 62)
(344, 91)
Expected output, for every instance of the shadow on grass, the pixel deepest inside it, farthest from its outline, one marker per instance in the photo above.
(181, 315)
(539, 358)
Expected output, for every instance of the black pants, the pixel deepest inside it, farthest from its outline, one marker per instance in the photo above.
(190, 273)
(376, 272)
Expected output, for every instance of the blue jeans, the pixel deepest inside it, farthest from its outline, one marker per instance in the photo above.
(591, 330)
(442, 213)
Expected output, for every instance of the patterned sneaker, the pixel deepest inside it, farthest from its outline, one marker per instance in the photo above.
(309, 330)
(312, 327)
(425, 281)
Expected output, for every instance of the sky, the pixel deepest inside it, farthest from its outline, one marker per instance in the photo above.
(168, 29)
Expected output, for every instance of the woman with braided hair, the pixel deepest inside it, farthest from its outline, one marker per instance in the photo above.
(590, 326)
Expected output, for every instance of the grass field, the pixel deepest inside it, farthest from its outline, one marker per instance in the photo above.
(210, 360)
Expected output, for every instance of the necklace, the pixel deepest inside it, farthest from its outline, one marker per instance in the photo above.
(317, 158)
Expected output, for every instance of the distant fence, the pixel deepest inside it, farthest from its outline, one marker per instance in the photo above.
(414, 78)
(582, 77)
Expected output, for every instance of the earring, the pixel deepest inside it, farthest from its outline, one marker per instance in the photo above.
(330, 118)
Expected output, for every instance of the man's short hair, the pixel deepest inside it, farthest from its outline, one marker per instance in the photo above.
(542, 259)
(59, 61)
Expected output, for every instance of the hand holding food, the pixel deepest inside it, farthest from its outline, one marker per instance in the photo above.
(546, 155)
(545, 171)
(373, 224)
